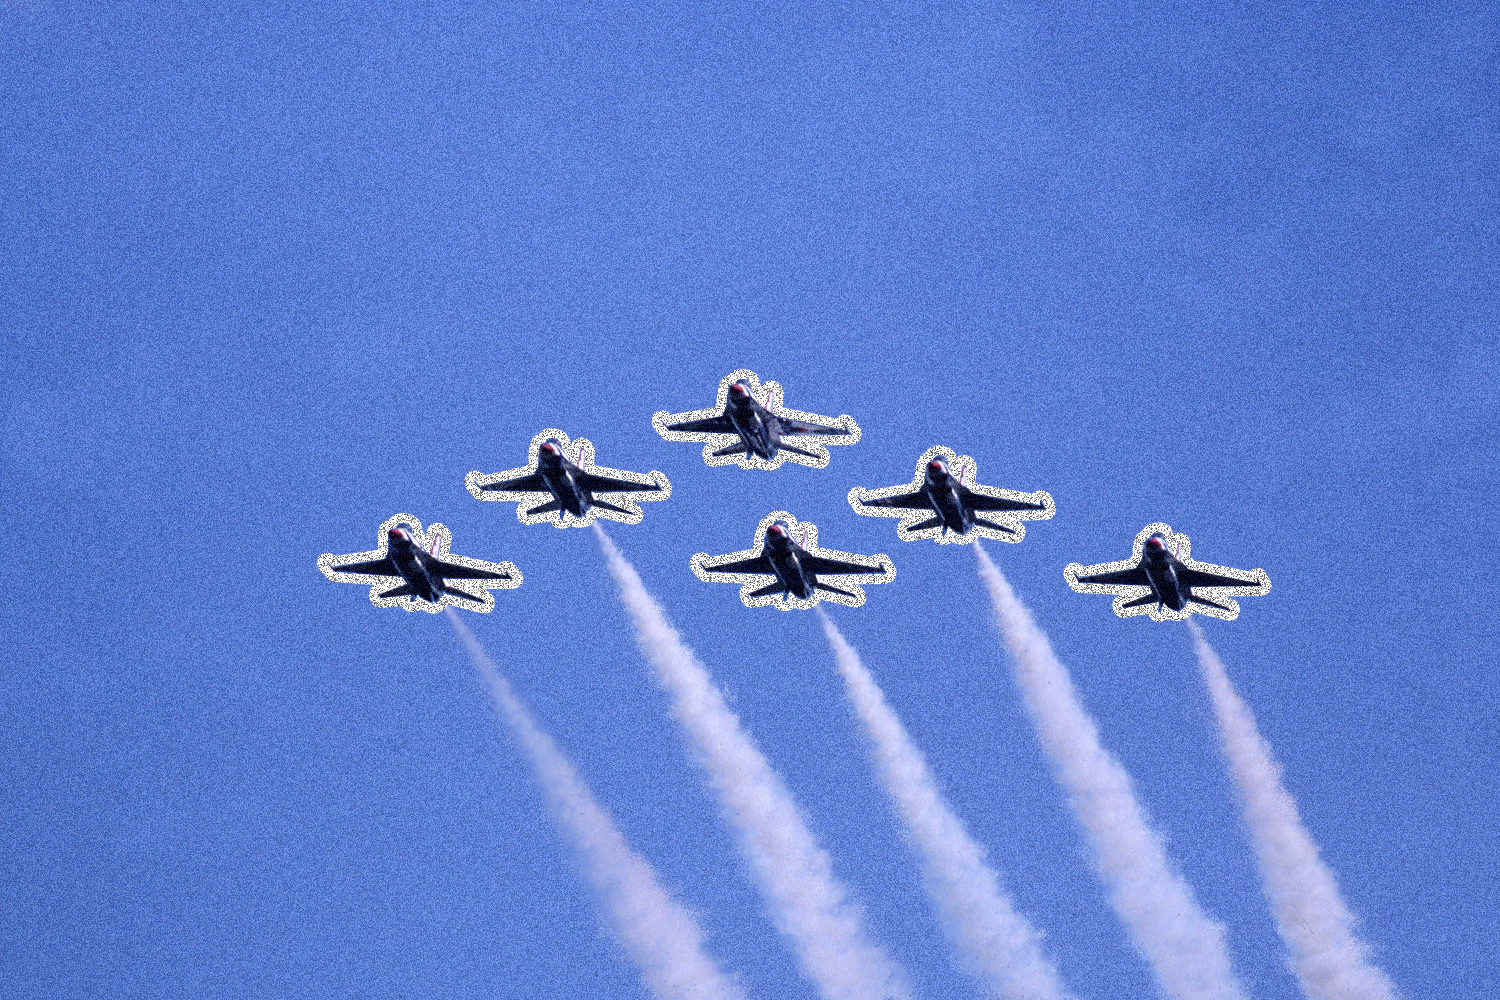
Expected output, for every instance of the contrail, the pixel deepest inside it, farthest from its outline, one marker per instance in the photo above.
(996, 941)
(662, 937)
(794, 874)
(1183, 945)
(1318, 929)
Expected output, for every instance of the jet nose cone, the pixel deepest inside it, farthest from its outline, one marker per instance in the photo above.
(1154, 543)
(550, 448)
(936, 466)
(778, 531)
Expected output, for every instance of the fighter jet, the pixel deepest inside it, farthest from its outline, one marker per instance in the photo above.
(1172, 579)
(424, 574)
(954, 507)
(758, 431)
(572, 488)
(795, 568)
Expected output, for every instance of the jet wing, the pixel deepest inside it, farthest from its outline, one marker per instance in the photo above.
(914, 500)
(833, 567)
(758, 564)
(978, 501)
(1198, 578)
(453, 571)
(1121, 577)
(712, 425)
(375, 567)
(803, 427)
(525, 484)
(595, 483)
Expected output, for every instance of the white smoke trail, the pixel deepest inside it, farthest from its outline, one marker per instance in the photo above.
(1183, 945)
(993, 939)
(1318, 929)
(794, 874)
(662, 937)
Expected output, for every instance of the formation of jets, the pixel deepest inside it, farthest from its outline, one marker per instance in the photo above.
(749, 426)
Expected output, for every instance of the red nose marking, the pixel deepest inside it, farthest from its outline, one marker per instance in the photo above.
(935, 465)
(1155, 543)
(738, 389)
(778, 529)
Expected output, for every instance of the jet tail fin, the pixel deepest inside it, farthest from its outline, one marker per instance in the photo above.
(405, 590)
(992, 524)
(931, 522)
(770, 588)
(1148, 598)
(833, 590)
(734, 449)
(545, 508)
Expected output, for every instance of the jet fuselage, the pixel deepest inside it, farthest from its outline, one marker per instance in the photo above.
(1161, 570)
(756, 426)
(561, 480)
(410, 562)
(942, 493)
(784, 556)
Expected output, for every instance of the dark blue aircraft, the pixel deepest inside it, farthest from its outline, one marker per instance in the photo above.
(425, 574)
(760, 431)
(572, 488)
(954, 505)
(794, 568)
(1171, 581)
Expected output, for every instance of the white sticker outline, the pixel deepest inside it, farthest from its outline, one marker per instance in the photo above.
(1010, 518)
(769, 395)
(805, 533)
(436, 540)
(1180, 546)
(583, 448)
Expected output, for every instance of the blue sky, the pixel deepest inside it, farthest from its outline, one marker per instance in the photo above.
(268, 279)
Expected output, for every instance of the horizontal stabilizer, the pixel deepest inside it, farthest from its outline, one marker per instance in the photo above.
(797, 451)
(405, 590)
(610, 506)
(834, 590)
(992, 524)
(545, 508)
(1147, 598)
(734, 449)
(464, 594)
(1212, 604)
(931, 522)
(770, 588)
